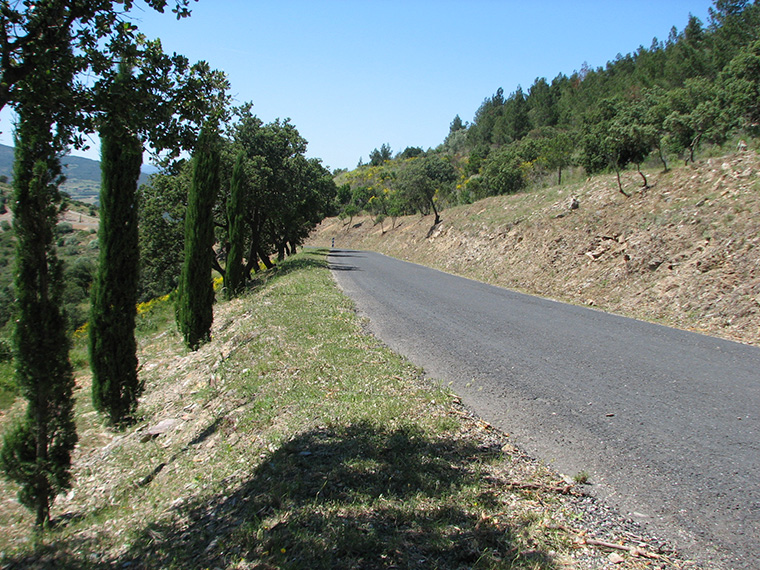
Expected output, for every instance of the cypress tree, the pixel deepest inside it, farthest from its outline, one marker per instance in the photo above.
(113, 350)
(36, 451)
(235, 216)
(195, 311)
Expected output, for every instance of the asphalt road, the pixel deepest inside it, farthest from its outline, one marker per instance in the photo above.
(666, 422)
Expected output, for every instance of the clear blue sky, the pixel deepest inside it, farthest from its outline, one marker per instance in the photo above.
(354, 74)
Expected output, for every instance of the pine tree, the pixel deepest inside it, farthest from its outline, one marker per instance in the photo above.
(195, 312)
(235, 216)
(36, 451)
(113, 350)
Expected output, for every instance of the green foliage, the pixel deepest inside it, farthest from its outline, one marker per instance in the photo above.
(41, 479)
(80, 275)
(455, 143)
(162, 205)
(378, 157)
(503, 172)
(59, 96)
(349, 212)
(170, 97)
(286, 195)
(361, 196)
(742, 83)
(671, 97)
(63, 228)
(423, 180)
(36, 452)
(234, 276)
(196, 289)
(476, 159)
(456, 125)
(7, 297)
(277, 197)
(113, 350)
(411, 152)
(344, 194)
(696, 115)
(557, 151)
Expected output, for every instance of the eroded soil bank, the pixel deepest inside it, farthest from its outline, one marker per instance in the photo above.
(684, 252)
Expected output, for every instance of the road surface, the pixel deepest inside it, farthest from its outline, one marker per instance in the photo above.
(666, 422)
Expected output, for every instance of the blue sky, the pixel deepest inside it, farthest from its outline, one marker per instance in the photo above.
(354, 74)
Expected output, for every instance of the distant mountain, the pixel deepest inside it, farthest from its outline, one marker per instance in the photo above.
(82, 174)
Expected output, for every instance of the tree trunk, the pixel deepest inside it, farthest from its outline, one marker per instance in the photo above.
(662, 158)
(265, 259)
(646, 184)
(620, 184)
(693, 147)
(437, 215)
(252, 261)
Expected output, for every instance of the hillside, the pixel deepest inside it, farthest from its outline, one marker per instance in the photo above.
(684, 253)
(82, 175)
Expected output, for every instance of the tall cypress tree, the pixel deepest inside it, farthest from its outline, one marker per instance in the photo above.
(195, 309)
(36, 451)
(113, 350)
(235, 217)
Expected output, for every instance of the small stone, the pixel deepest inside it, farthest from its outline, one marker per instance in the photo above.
(615, 558)
(160, 428)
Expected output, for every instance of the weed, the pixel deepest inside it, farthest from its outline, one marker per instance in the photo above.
(582, 478)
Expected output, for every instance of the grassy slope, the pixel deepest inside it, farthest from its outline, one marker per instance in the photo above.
(296, 440)
(685, 252)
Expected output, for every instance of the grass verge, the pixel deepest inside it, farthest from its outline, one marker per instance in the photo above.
(296, 440)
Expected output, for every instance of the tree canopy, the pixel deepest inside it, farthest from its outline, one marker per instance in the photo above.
(661, 103)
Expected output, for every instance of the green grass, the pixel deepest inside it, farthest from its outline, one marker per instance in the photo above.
(303, 443)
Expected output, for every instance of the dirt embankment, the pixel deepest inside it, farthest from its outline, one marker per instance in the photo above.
(684, 252)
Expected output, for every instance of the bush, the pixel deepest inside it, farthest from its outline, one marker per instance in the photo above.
(76, 316)
(503, 174)
(64, 228)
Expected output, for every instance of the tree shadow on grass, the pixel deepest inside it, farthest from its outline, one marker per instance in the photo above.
(360, 496)
(307, 259)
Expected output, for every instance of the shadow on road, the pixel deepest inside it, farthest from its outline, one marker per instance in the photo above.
(343, 254)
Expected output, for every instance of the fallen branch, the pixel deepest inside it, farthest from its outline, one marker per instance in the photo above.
(563, 490)
(477, 421)
(632, 550)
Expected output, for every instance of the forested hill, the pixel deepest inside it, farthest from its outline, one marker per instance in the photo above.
(695, 93)
(82, 174)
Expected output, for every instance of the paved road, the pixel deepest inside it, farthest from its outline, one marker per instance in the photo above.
(666, 422)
